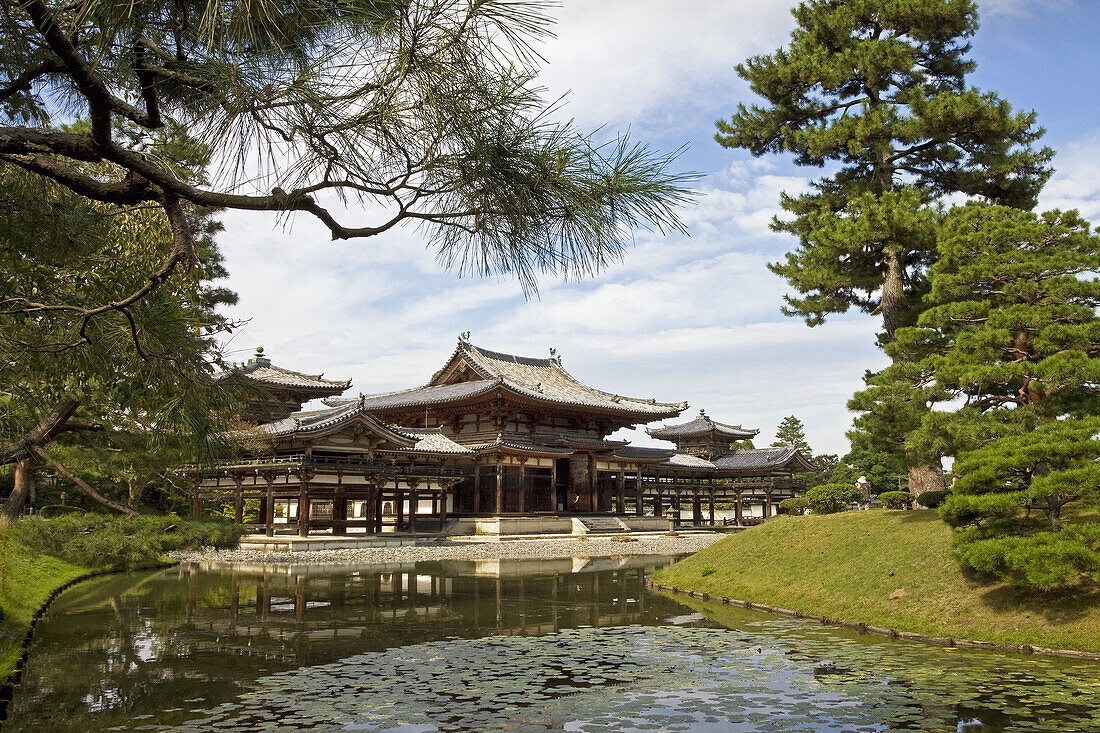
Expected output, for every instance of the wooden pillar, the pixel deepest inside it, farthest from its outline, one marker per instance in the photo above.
(269, 507)
(339, 507)
(500, 489)
(399, 507)
(593, 483)
(444, 490)
(303, 504)
(657, 505)
(414, 501)
(767, 503)
(238, 500)
(522, 486)
(620, 496)
(371, 509)
(378, 508)
(738, 511)
(639, 509)
(696, 507)
(196, 503)
(711, 512)
(554, 485)
(477, 489)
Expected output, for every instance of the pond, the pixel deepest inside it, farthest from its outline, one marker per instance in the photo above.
(576, 645)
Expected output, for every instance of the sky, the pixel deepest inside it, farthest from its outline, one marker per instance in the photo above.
(691, 317)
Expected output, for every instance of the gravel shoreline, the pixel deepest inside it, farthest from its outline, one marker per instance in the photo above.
(468, 550)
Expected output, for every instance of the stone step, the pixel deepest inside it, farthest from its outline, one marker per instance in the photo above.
(603, 524)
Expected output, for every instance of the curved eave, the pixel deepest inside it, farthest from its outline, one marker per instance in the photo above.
(476, 358)
(643, 414)
(340, 421)
(499, 388)
(311, 392)
(793, 462)
(657, 461)
(516, 449)
(681, 432)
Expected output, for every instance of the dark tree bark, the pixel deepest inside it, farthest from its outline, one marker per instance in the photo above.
(41, 434)
(13, 507)
(926, 478)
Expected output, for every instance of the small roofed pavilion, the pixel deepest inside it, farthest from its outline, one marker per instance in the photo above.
(280, 392)
(755, 479)
(702, 436)
(493, 442)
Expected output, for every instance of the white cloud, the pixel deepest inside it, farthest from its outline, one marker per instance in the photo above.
(1076, 182)
(656, 62)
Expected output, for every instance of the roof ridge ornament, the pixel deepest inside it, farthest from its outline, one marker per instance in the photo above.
(259, 359)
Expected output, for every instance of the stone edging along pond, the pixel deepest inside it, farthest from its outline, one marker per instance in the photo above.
(863, 628)
(7, 688)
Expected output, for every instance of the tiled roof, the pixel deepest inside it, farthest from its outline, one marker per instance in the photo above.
(313, 421)
(413, 440)
(701, 425)
(521, 446)
(546, 380)
(683, 460)
(262, 371)
(639, 453)
(419, 395)
(759, 458)
(431, 440)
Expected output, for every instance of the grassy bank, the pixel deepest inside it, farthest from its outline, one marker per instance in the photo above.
(26, 580)
(39, 555)
(884, 568)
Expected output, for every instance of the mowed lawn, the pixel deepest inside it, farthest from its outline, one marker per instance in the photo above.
(884, 568)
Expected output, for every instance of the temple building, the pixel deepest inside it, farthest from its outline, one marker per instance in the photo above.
(493, 443)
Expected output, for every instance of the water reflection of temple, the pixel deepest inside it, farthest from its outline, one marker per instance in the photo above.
(494, 443)
(304, 613)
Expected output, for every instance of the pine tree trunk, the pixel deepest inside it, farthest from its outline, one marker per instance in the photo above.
(13, 507)
(925, 478)
(41, 434)
(83, 485)
(893, 293)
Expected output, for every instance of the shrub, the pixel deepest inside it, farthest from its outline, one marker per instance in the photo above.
(832, 498)
(1046, 561)
(707, 570)
(120, 543)
(795, 505)
(895, 499)
(932, 499)
(56, 510)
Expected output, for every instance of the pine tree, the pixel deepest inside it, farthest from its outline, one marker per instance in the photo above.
(134, 382)
(877, 90)
(1012, 332)
(792, 432)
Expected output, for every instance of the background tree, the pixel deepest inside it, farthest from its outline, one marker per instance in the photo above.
(791, 432)
(878, 468)
(826, 471)
(877, 90)
(1012, 333)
